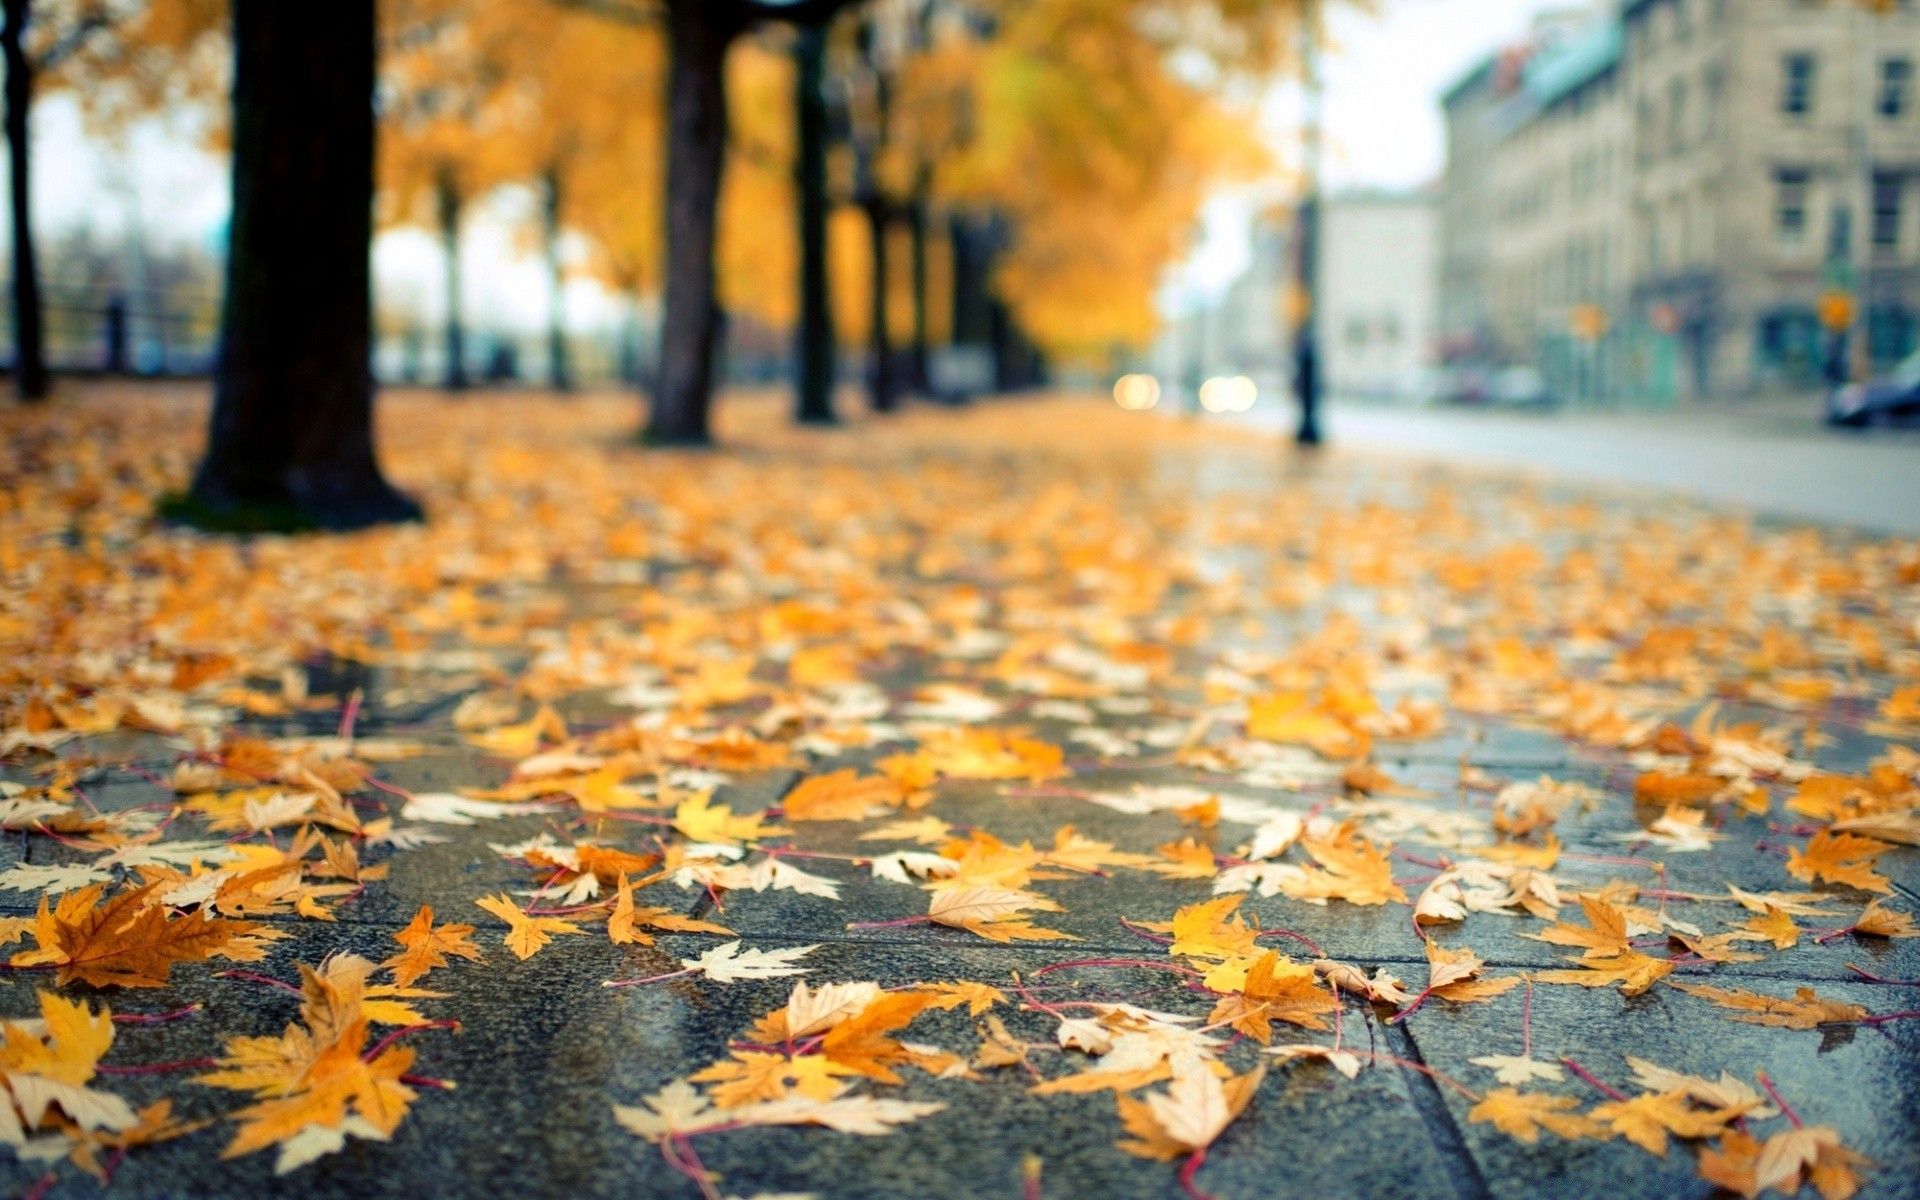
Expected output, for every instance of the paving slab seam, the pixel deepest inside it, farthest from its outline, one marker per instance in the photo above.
(1469, 1182)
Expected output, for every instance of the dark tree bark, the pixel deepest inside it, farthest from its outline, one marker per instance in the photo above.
(559, 364)
(917, 376)
(450, 201)
(882, 381)
(699, 33)
(30, 379)
(291, 439)
(816, 357)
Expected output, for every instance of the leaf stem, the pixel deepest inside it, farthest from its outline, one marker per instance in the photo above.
(251, 977)
(1582, 1072)
(1870, 977)
(1193, 1164)
(1786, 1109)
(1302, 938)
(627, 983)
(403, 1031)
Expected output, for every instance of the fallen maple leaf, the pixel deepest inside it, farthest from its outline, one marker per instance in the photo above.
(1774, 926)
(1519, 1070)
(525, 934)
(1524, 1114)
(840, 796)
(993, 913)
(1647, 1119)
(1276, 989)
(1213, 929)
(1843, 858)
(727, 963)
(1633, 971)
(316, 1076)
(1877, 920)
(1074, 851)
(1604, 937)
(129, 941)
(1806, 1010)
(1351, 869)
(425, 948)
(1185, 1119)
(701, 820)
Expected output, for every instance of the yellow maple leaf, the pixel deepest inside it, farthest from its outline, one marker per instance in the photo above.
(1604, 937)
(1523, 1115)
(525, 934)
(1844, 858)
(841, 796)
(1074, 851)
(1633, 971)
(1775, 926)
(1647, 1119)
(425, 948)
(701, 820)
(1185, 859)
(1276, 989)
(1214, 929)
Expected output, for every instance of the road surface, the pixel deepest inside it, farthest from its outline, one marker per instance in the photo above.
(1769, 461)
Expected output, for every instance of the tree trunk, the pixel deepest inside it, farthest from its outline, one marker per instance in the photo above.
(699, 33)
(291, 438)
(559, 368)
(29, 350)
(447, 193)
(881, 380)
(917, 378)
(816, 366)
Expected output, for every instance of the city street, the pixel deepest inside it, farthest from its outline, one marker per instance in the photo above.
(1029, 800)
(1779, 461)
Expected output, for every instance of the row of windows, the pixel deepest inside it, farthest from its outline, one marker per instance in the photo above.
(1578, 272)
(1799, 86)
(1587, 174)
(1792, 202)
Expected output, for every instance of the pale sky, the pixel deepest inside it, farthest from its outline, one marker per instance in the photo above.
(1384, 79)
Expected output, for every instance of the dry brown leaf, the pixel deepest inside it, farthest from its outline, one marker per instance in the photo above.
(1806, 1010)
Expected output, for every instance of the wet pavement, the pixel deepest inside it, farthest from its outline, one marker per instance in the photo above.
(544, 1052)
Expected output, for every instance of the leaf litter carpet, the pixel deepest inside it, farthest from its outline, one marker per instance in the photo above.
(1036, 800)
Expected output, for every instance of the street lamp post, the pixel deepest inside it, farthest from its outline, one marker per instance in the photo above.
(1306, 350)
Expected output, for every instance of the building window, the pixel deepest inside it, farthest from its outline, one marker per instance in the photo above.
(1790, 205)
(1676, 116)
(1890, 333)
(1789, 344)
(1886, 211)
(1796, 96)
(1896, 83)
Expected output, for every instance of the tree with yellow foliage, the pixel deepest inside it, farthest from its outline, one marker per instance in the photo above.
(1073, 123)
(451, 127)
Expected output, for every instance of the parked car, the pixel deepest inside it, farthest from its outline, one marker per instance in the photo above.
(1522, 386)
(1894, 400)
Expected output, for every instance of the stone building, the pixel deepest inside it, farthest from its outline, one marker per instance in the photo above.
(1378, 289)
(1665, 202)
(1559, 180)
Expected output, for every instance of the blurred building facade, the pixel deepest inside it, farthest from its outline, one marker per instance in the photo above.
(1678, 199)
(1379, 292)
